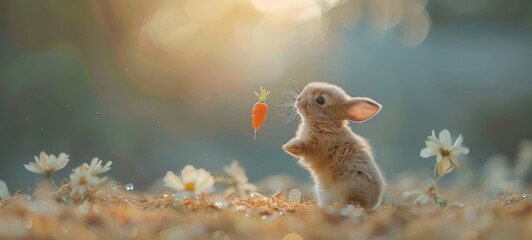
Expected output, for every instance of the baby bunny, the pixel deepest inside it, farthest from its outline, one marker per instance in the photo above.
(340, 162)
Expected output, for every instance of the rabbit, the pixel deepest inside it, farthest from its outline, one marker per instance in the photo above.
(340, 162)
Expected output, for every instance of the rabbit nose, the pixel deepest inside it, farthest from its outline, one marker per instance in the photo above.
(298, 103)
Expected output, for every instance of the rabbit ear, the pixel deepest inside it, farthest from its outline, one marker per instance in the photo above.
(360, 109)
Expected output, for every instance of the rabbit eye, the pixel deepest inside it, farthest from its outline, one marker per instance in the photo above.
(320, 100)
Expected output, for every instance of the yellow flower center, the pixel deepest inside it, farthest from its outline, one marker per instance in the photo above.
(190, 186)
(445, 152)
(83, 181)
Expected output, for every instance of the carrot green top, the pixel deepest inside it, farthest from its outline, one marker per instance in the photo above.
(262, 94)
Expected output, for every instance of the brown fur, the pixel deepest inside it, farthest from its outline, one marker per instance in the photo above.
(340, 162)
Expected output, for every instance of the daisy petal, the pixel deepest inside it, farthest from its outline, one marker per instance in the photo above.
(202, 176)
(460, 150)
(229, 190)
(432, 144)
(32, 167)
(422, 199)
(412, 192)
(428, 152)
(445, 138)
(249, 187)
(189, 173)
(459, 140)
(433, 134)
(43, 160)
(52, 162)
(205, 185)
(4, 191)
(95, 162)
(434, 140)
(172, 181)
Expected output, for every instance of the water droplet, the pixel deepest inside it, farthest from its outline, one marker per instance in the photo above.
(114, 187)
(281, 212)
(264, 216)
(221, 204)
(526, 196)
(165, 195)
(248, 213)
(294, 195)
(27, 118)
(129, 187)
(97, 113)
(240, 208)
(67, 105)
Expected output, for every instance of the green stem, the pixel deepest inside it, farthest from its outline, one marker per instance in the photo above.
(438, 179)
(435, 170)
(224, 180)
(52, 180)
(434, 191)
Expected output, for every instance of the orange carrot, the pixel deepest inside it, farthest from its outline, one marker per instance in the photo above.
(260, 110)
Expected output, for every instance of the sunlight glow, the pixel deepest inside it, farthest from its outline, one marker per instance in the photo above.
(416, 25)
(170, 28)
(249, 41)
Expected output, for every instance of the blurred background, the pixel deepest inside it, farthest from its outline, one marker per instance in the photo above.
(156, 85)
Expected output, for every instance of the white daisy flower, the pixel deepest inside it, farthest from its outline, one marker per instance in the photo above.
(96, 167)
(47, 164)
(192, 180)
(4, 192)
(241, 185)
(82, 179)
(444, 151)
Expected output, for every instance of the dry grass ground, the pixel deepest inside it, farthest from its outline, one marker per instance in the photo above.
(129, 215)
